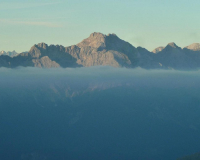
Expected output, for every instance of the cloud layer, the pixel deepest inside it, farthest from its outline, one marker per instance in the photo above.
(95, 75)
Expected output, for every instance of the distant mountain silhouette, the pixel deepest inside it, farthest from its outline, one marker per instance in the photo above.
(9, 53)
(100, 49)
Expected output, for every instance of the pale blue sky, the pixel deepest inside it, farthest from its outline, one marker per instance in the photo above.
(146, 23)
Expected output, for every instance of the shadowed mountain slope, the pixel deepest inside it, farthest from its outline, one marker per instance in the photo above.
(174, 57)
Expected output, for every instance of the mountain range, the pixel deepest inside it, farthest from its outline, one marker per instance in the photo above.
(9, 53)
(100, 49)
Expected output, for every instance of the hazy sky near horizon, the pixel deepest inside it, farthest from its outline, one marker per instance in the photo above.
(146, 23)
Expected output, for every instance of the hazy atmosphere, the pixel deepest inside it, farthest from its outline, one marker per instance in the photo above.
(98, 113)
(99, 80)
(149, 24)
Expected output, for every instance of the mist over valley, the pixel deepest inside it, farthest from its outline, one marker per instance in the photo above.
(98, 113)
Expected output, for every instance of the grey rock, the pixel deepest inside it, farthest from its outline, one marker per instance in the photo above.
(42, 55)
(147, 59)
(194, 47)
(159, 49)
(9, 53)
(45, 62)
(101, 49)
(173, 57)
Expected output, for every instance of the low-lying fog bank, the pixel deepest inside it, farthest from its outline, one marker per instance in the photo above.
(98, 113)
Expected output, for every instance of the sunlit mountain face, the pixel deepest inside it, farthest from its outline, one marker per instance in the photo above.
(98, 113)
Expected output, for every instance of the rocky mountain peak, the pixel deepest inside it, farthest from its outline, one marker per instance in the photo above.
(9, 53)
(35, 51)
(95, 40)
(39, 46)
(194, 47)
(173, 45)
(101, 49)
(105, 49)
(42, 45)
(97, 35)
(112, 35)
(159, 49)
(2, 52)
(100, 41)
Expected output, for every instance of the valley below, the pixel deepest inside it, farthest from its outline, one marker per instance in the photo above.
(98, 113)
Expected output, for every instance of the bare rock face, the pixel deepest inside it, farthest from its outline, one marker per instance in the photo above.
(42, 55)
(34, 52)
(96, 40)
(159, 49)
(97, 49)
(45, 62)
(172, 45)
(100, 49)
(194, 47)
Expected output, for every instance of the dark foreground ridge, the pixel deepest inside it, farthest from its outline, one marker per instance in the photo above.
(110, 50)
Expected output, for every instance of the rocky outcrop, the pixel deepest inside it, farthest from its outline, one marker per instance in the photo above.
(159, 49)
(194, 47)
(42, 55)
(45, 62)
(100, 49)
